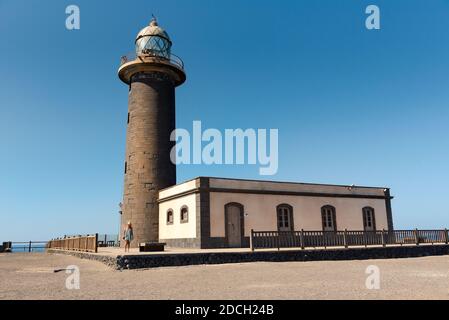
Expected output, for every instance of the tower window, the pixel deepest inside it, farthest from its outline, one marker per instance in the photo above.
(170, 216)
(128, 118)
(126, 167)
(184, 214)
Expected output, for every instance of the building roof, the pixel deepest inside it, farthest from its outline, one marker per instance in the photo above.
(214, 184)
(153, 29)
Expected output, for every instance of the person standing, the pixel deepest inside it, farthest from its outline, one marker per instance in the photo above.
(128, 235)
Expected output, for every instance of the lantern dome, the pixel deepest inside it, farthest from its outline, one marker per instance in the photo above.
(153, 40)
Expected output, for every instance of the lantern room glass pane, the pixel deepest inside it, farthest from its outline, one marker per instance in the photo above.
(154, 45)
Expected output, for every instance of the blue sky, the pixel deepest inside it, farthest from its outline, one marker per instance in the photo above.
(352, 105)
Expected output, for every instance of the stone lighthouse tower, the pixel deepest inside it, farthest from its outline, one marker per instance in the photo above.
(152, 74)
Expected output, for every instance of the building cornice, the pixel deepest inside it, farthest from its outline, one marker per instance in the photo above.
(274, 192)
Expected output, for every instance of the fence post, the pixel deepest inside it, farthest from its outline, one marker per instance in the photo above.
(301, 237)
(446, 239)
(251, 240)
(384, 244)
(29, 247)
(365, 239)
(279, 240)
(96, 242)
(324, 240)
(416, 237)
(345, 240)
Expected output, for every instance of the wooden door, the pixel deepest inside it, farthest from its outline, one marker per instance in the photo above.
(234, 228)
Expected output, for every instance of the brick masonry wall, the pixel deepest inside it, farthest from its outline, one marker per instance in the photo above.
(148, 166)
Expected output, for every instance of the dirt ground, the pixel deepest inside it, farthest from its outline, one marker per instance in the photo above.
(32, 276)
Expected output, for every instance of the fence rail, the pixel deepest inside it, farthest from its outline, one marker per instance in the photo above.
(108, 240)
(87, 243)
(347, 238)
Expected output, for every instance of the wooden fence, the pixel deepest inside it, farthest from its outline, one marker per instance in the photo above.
(315, 239)
(87, 243)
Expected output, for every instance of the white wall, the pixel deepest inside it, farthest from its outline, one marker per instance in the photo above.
(178, 230)
(260, 211)
(177, 189)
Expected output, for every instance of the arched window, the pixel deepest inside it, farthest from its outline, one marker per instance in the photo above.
(184, 214)
(329, 218)
(285, 217)
(369, 219)
(170, 216)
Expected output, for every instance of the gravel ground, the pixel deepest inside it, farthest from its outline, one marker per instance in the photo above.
(31, 276)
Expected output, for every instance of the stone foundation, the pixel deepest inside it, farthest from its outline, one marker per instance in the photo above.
(107, 260)
(184, 259)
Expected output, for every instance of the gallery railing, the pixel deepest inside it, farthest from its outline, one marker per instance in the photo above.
(88, 243)
(174, 59)
(347, 238)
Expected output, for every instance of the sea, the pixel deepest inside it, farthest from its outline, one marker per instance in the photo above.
(17, 248)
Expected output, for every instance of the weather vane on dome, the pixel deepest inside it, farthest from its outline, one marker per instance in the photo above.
(153, 21)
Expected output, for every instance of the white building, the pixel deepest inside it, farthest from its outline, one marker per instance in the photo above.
(216, 212)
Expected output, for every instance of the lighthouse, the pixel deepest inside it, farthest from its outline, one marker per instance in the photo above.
(152, 73)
